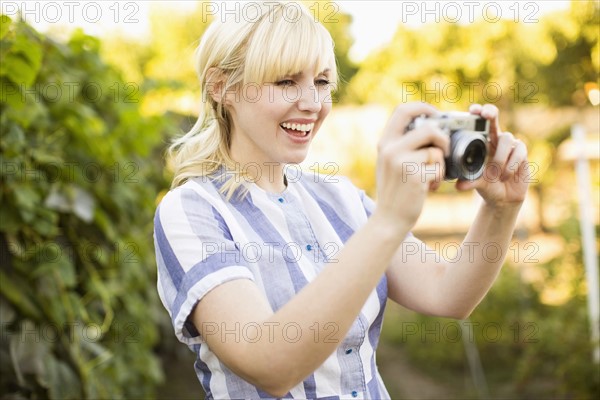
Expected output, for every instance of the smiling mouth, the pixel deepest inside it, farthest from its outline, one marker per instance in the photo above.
(299, 130)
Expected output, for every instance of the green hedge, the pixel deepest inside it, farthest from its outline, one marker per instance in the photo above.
(80, 171)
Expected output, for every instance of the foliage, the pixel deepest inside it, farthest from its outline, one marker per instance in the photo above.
(454, 65)
(163, 62)
(528, 349)
(79, 309)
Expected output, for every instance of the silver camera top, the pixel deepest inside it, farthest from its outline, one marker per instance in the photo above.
(454, 121)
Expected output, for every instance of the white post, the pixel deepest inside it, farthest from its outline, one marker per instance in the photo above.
(477, 373)
(588, 236)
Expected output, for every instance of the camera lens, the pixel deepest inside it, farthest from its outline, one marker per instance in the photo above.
(467, 158)
(474, 156)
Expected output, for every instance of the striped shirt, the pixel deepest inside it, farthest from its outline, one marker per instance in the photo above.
(281, 242)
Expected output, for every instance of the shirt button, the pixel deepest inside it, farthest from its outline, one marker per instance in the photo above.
(280, 199)
(354, 393)
(348, 351)
(308, 247)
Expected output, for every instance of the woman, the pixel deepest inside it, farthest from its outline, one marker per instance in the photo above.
(278, 280)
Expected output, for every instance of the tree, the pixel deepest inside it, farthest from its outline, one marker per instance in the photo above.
(80, 313)
(452, 65)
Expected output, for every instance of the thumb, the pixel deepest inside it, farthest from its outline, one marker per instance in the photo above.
(468, 185)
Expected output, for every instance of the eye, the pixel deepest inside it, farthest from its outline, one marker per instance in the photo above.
(322, 82)
(284, 82)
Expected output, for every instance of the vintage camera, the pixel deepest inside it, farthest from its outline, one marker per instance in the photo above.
(468, 142)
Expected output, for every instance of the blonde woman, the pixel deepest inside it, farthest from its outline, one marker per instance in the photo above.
(278, 280)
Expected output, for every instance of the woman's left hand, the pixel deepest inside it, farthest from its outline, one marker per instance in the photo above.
(505, 179)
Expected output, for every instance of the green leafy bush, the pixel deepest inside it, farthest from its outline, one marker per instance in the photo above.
(80, 175)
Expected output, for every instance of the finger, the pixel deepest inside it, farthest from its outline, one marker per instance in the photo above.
(504, 147)
(431, 155)
(475, 109)
(403, 115)
(514, 163)
(462, 186)
(426, 136)
(490, 112)
(433, 166)
(435, 185)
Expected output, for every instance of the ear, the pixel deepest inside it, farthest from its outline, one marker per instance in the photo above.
(215, 82)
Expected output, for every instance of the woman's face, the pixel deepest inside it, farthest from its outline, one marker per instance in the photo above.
(276, 122)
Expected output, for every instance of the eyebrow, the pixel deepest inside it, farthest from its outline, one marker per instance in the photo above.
(324, 72)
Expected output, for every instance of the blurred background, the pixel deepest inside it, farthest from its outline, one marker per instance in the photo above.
(93, 92)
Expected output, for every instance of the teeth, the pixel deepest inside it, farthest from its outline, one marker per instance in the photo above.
(299, 127)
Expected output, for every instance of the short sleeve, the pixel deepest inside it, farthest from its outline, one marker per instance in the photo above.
(195, 253)
(367, 202)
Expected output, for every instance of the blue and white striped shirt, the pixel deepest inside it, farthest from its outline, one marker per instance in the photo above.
(281, 242)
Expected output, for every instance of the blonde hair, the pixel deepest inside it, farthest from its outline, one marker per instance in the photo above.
(248, 48)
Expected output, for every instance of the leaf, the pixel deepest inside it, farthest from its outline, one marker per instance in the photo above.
(30, 49)
(9, 219)
(27, 349)
(79, 202)
(26, 197)
(31, 109)
(13, 138)
(47, 223)
(62, 382)
(18, 294)
(83, 205)
(18, 70)
(11, 94)
(7, 313)
(5, 22)
(56, 200)
(56, 263)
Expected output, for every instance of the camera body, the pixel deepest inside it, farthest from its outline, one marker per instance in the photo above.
(468, 142)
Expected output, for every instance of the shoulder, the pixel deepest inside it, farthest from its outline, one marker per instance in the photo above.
(195, 194)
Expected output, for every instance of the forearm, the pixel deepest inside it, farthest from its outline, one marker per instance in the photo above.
(326, 308)
(482, 254)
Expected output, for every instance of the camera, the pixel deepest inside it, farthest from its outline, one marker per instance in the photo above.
(468, 142)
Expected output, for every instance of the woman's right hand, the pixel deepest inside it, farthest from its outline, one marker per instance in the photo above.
(409, 163)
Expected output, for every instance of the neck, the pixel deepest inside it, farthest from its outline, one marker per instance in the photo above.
(268, 176)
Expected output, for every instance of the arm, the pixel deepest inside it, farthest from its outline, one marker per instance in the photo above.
(335, 296)
(429, 284)
(339, 292)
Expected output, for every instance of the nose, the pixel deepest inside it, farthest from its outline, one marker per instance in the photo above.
(310, 99)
